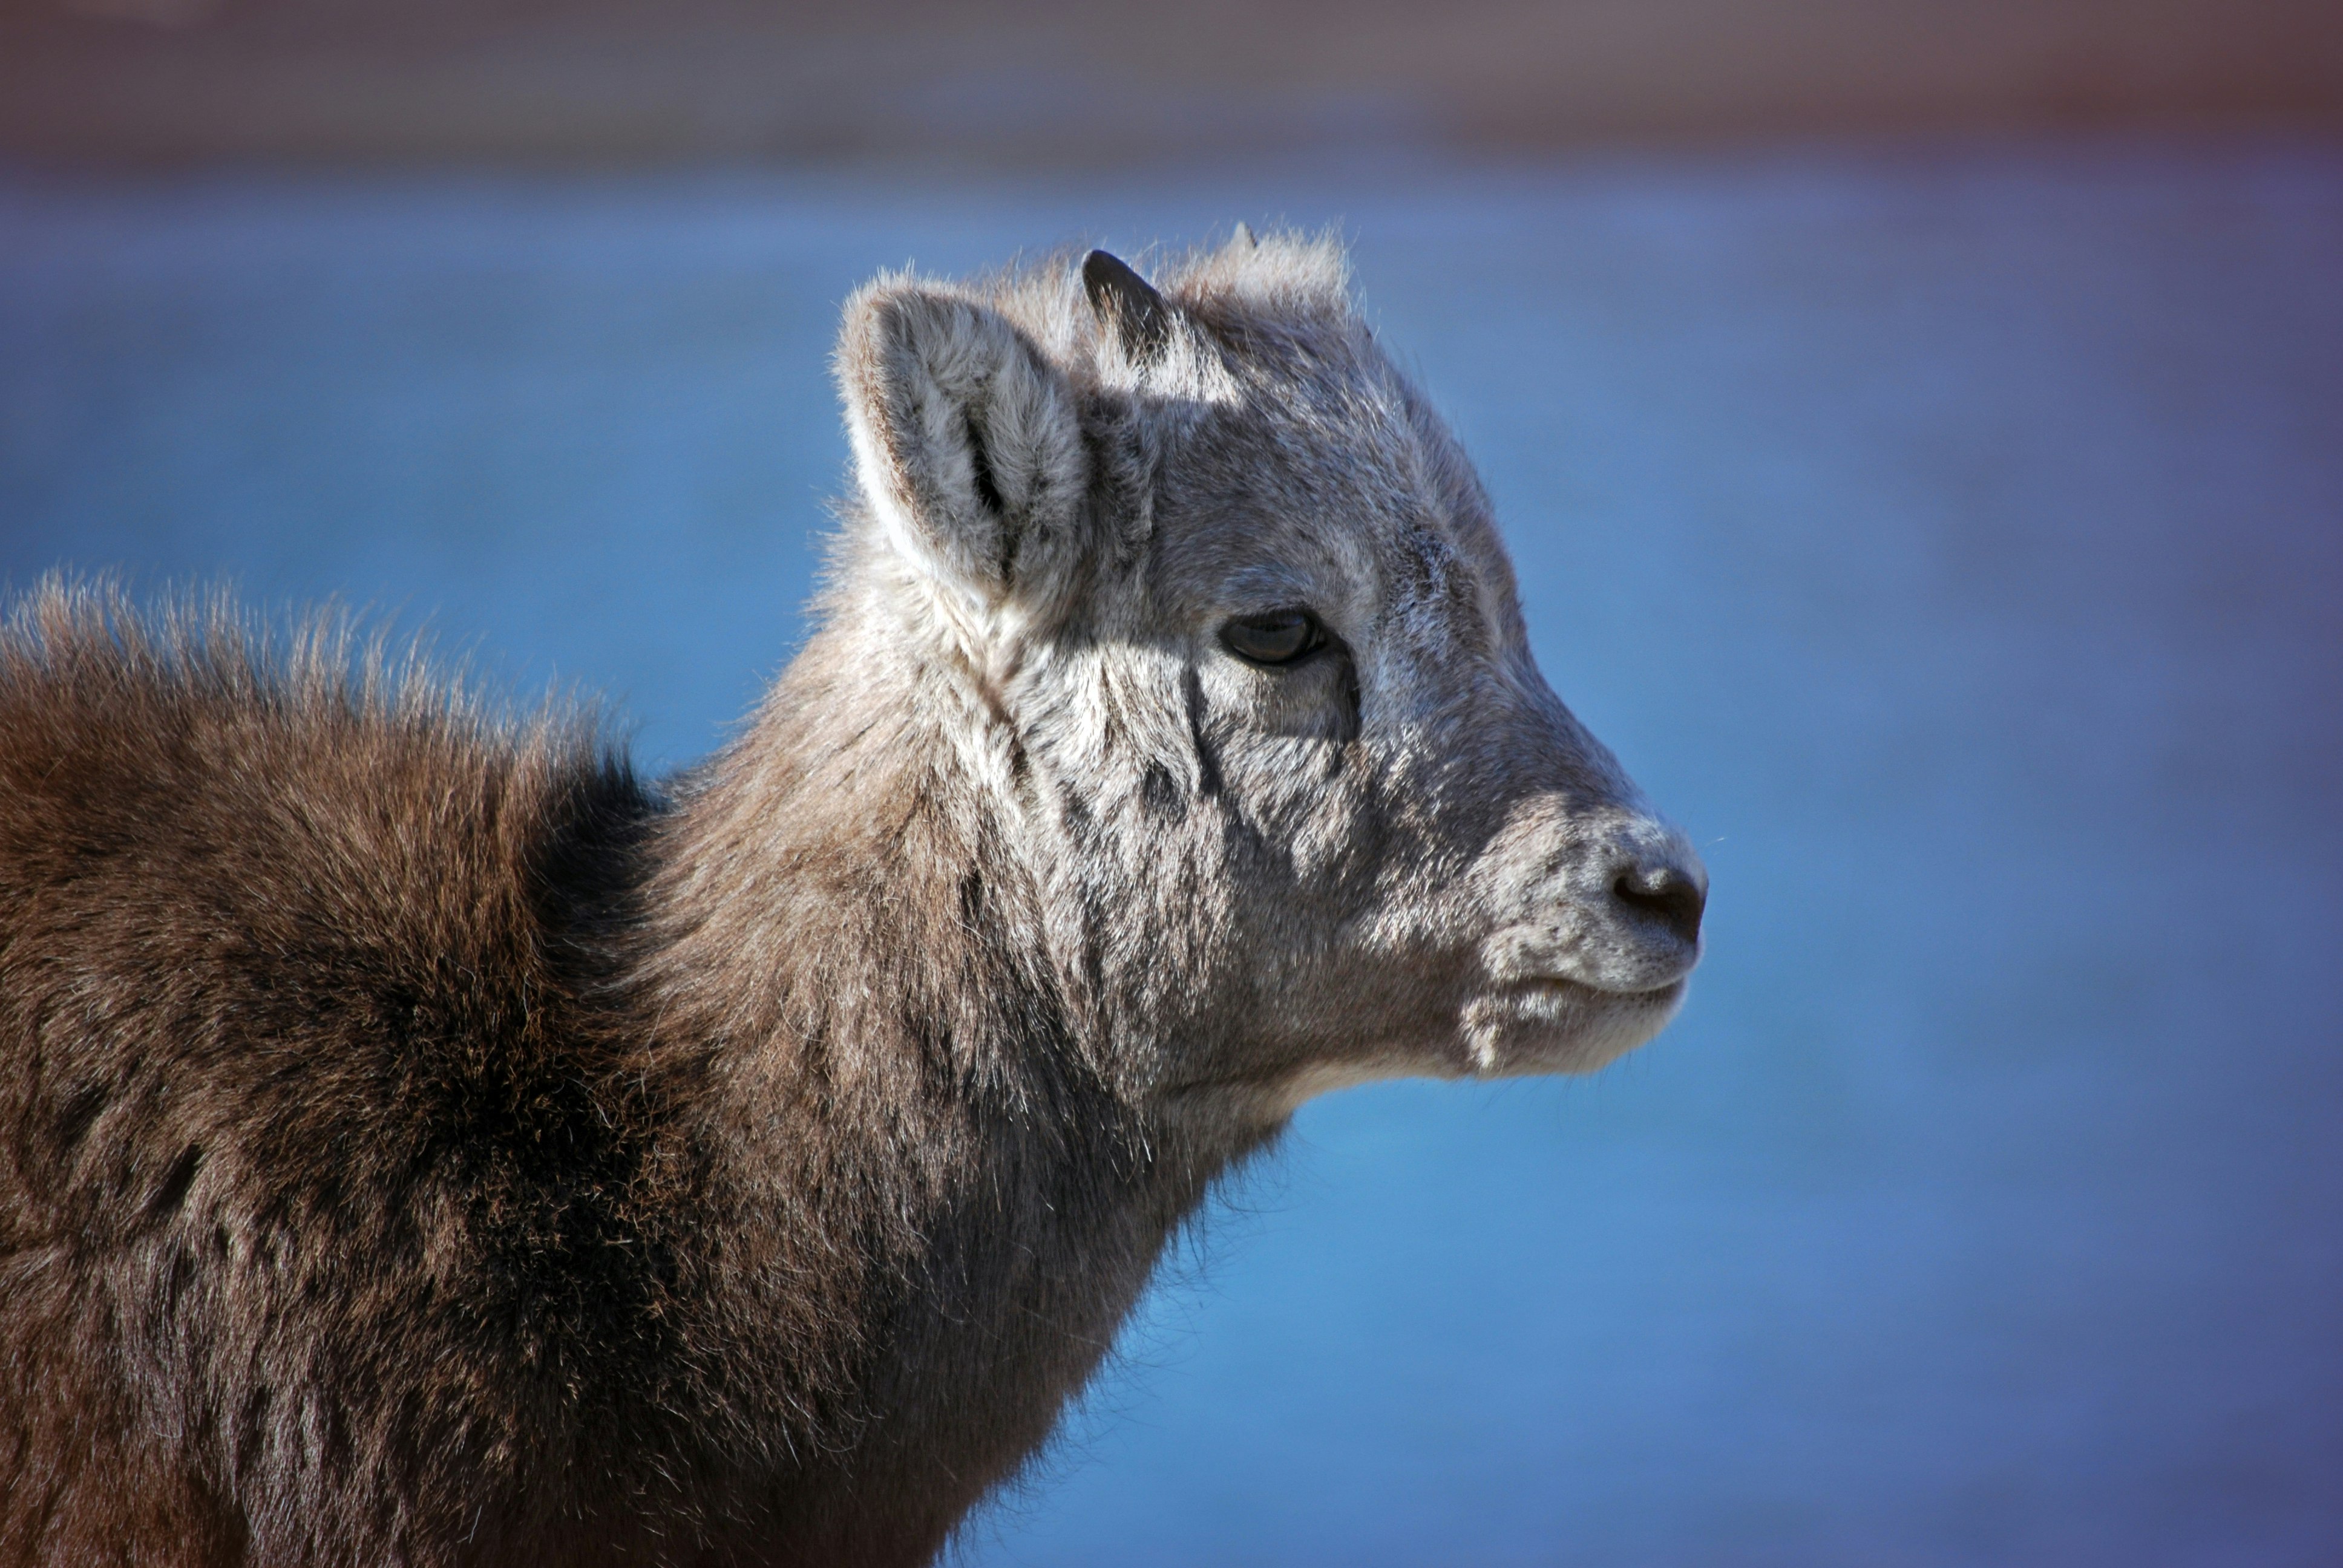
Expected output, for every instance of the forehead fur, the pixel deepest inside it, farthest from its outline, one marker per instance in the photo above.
(1284, 297)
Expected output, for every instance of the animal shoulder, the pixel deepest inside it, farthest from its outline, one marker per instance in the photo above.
(250, 898)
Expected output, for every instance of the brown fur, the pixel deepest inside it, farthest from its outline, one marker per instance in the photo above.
(353, 1212)
(422, 1143)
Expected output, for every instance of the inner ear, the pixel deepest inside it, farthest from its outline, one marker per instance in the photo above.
(987, 489)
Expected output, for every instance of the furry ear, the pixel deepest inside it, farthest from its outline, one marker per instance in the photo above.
(966, 440)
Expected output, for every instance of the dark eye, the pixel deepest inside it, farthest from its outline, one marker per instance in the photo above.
(1281, 637)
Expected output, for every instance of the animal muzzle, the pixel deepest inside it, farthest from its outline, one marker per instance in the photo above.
(1610, 901)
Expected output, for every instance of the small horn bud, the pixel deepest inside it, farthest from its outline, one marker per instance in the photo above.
(1127, 301)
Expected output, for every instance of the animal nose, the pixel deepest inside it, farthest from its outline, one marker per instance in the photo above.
(1664, 892)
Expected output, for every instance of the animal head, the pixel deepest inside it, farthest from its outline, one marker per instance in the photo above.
(1231, 657)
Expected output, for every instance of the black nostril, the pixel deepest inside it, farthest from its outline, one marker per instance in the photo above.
(1667, 894)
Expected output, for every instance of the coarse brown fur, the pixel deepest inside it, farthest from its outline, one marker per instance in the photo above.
(423, 1142)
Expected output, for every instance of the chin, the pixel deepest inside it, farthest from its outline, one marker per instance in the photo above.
(1549, 1027)
(1559, 1026)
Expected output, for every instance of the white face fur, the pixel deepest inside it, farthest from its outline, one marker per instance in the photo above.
(1233, 657)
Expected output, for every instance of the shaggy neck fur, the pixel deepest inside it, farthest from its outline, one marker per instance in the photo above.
(941, 1197)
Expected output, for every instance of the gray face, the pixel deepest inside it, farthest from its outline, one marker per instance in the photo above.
(1305, 810)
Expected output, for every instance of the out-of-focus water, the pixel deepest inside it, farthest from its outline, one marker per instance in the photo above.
(1952, 540)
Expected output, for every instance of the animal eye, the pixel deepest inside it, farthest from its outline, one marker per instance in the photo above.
(1281, 637)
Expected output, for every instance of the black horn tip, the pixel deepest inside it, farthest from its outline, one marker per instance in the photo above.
(1120, 295)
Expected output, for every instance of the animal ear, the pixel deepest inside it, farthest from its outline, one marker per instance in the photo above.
(966, 439)
(1128, 303)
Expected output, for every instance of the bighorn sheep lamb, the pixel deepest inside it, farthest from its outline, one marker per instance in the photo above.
(423, 1142)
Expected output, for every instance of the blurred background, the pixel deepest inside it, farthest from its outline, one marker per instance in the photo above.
(1920, 428)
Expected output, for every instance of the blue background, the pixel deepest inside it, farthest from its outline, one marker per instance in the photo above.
(1951, 539)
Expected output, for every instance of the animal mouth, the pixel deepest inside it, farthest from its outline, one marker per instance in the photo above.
(1564, 985)
(1558, 1024)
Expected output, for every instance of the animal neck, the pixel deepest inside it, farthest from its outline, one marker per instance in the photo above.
(932, 1179)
